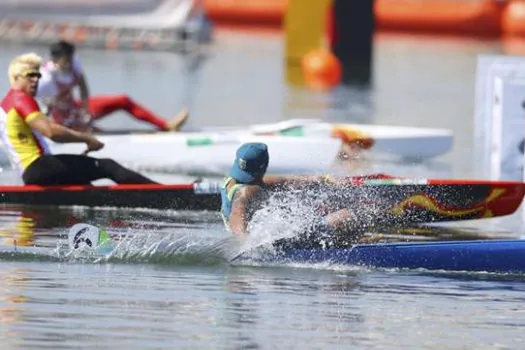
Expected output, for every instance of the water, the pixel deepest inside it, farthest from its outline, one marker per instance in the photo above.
(221, 307)
(194, 298)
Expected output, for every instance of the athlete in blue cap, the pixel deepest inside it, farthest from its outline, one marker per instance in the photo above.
(246, 187)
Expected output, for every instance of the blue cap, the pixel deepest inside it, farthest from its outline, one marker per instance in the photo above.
(251, 161)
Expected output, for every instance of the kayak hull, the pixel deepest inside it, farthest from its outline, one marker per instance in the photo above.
(313, 148)
(374, 201)
(170, 197)
(494, 256)
(506, 256)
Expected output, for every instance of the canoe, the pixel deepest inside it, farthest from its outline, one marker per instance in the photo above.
(309, 148)
(176, 197)
(503, 256)
(377, 201)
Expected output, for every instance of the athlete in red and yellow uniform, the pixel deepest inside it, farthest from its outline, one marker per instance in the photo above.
(23, 144)
(23, 128)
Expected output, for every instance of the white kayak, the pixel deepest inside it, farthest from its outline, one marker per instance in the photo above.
(295, 146)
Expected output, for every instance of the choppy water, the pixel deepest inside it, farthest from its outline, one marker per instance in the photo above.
(194, 298)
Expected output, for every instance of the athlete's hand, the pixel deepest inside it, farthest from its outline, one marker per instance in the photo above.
(93, 144)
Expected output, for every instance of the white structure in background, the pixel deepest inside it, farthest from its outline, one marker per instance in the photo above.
(132, 24)
(500, 117)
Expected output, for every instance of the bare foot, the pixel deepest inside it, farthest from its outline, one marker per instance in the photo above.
(178, 120)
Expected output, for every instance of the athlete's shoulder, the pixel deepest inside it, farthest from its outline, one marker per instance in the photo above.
(248, 191)
(24, 103)
(21, 97)
(5, 103)
(15, 97)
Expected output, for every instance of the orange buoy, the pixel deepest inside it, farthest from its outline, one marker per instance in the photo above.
(321, 69)
(513, 18)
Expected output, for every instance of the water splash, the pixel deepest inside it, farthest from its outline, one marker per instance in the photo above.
(293, 216)
(181, 247)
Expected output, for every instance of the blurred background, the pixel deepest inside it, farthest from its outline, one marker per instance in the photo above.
(240, 62)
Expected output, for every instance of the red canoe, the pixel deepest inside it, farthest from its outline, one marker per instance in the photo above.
(380, 199)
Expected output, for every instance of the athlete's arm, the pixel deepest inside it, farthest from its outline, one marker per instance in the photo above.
(62, 134)
(84, 91)
(28, 109)
(82, 81)
(240, 202)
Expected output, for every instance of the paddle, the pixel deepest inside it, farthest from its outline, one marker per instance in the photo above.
(83, 236)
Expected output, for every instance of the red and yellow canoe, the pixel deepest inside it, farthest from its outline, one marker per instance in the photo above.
(385, 200)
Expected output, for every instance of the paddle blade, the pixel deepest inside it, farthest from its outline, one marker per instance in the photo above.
(84, 236)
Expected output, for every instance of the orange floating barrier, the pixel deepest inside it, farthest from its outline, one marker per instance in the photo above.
(481, 17)
(474, 17)
(513, 18)
(254, 12)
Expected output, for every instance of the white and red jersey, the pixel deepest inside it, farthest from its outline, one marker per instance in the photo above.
(56, 91)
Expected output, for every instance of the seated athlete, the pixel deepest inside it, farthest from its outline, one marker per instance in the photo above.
(247, 187)
(23, 128)
(63, 73)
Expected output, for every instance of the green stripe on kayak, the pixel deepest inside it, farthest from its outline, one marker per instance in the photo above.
(199, 141)
(295, 131)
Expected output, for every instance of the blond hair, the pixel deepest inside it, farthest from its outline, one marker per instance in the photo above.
(20, 63)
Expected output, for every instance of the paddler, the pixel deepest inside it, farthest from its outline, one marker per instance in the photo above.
(23, 127)
(245, 189)
(64, 72)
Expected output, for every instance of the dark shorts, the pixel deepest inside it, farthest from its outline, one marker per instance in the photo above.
(72, 169)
